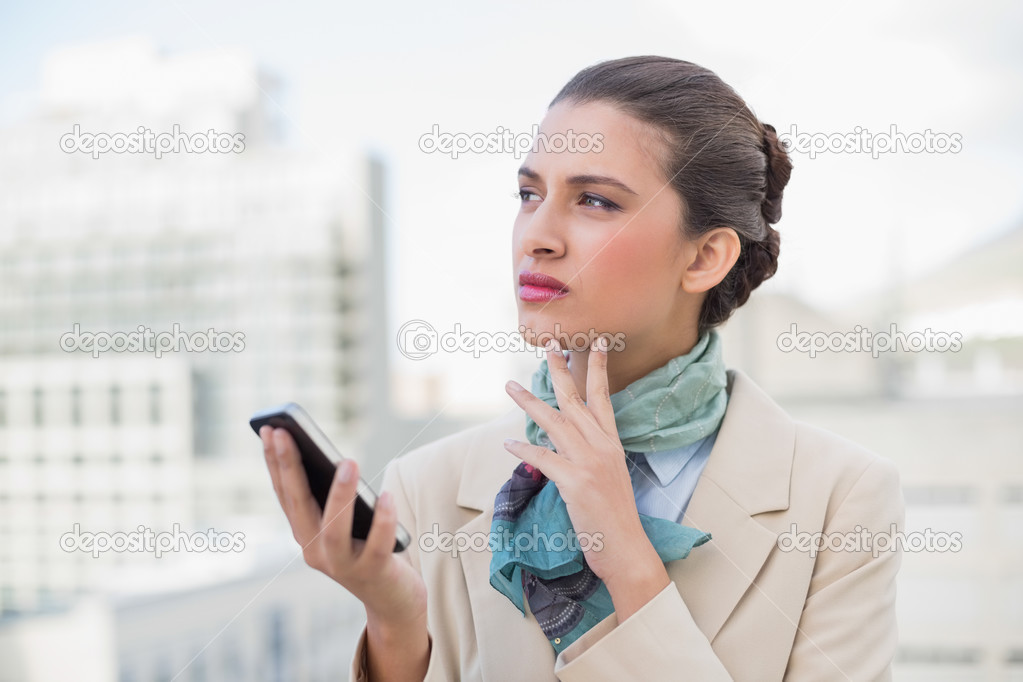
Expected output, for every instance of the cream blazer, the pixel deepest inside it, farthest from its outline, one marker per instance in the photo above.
(750, 604)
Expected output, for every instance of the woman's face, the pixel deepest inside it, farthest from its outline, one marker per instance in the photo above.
(605, 224)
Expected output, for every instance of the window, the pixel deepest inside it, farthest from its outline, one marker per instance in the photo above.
(45, 598)
(76, 405)
(1013, 494)
(940, 495)
(6, 599)
(115, 404)
(37, 406)
(154, 404)
(163, 671)
(277, 646)
(198, 667)
(232, 661)
(938, 655)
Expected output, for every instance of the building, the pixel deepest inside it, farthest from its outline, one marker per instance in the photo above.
(267, 618)
(949, 419)
(148, 307)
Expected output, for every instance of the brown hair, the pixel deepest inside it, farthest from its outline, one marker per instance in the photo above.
(728, 168)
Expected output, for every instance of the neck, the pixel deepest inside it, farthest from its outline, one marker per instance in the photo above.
(634, 362)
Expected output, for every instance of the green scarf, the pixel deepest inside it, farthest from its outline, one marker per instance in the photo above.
(671, 407)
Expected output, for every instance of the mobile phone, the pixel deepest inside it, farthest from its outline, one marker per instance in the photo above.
(319, 457)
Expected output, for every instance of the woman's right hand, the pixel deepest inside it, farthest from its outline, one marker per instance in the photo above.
(393, 593)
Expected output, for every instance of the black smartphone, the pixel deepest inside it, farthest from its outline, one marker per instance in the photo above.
(319, 459)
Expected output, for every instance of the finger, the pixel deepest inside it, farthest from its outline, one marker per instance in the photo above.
(380, 539)
(598, 394)
(561, 432)
(564, 385)
(550, 464)
(302, 510)
(340, 509)
(270, 455)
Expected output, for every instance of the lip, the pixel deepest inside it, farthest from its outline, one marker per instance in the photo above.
(540, 288)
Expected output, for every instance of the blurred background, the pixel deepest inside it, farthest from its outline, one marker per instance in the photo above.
(324, 250)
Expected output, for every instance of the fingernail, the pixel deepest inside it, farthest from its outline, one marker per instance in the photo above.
(602, 343)
(344, 471)
(385, 502)
(513, 386)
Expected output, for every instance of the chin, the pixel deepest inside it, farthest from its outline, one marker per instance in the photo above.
(533, 336)
(571, 336)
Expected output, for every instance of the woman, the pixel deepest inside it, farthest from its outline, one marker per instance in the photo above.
(694, 492)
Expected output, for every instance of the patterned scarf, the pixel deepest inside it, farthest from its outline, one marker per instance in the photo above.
(539, 557)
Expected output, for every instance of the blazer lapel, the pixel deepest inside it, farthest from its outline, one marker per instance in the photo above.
(747, 473)
(510, 644)
(715, 576)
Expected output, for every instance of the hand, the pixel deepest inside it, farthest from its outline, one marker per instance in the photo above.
(393, 593)
(590, 470)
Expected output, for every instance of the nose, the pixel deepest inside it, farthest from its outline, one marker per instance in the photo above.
(540, 234)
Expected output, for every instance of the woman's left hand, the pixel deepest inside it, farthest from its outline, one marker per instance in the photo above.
(590, 470)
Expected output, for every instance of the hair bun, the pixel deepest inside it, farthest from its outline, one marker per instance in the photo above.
(779, 168)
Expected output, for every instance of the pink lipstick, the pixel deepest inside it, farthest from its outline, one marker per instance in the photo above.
(535, 287)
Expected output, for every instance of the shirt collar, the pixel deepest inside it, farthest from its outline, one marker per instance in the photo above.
(667, 465)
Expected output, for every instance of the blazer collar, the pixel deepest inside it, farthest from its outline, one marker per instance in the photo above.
(750, 462)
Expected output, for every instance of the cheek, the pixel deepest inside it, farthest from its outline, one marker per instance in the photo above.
(626, 270)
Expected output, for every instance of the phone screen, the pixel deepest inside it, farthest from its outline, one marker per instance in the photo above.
(319, 459)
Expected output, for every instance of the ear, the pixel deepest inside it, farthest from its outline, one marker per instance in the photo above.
(711, 255)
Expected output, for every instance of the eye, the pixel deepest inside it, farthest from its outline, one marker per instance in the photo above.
(525, 194)
(600, 202)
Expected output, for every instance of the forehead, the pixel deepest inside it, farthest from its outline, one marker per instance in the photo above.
(622, 146)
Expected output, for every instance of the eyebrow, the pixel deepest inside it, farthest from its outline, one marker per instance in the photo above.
(582, 179)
